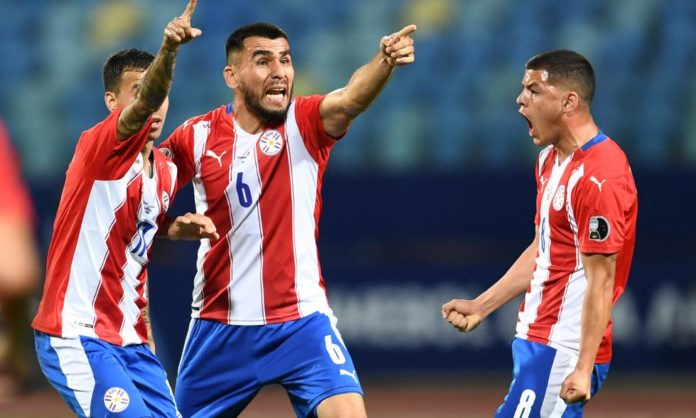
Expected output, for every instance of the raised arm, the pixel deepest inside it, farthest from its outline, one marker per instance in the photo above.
(340, 107)
(596, 312)
(158, 78)
(465, 315)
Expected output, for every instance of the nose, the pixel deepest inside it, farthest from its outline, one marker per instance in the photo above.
(520, 99)
(277, 69)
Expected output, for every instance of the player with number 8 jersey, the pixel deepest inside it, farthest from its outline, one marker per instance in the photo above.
(260, 311)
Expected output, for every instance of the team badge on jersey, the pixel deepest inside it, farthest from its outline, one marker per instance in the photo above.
(271, 142)
(116, 399)
(559, 198)
(599, 228)
(167, 152)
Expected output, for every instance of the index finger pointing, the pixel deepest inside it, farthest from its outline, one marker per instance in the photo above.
(190, 7)
(406, 31)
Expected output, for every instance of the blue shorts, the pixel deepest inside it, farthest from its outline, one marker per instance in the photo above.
(224, 366)
(98, 379)
(539, 371)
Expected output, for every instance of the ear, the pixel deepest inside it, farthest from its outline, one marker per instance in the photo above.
(570, 101)
(110, 101)
(230, 75)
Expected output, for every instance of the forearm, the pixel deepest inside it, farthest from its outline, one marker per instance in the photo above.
(596, 308)
(511, 284)
(153, 91)
(365, 85)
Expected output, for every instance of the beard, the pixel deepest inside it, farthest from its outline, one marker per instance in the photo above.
(268, 117)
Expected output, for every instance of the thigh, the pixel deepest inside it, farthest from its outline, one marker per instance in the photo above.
(217, 375)
(89, 377)
(313, 364)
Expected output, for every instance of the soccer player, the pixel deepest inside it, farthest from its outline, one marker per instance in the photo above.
(260, 311)
(91, 337)
(577, 266)
(19, 272)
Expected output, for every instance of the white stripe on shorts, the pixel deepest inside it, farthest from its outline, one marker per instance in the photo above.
(75, 366)
(563, 365)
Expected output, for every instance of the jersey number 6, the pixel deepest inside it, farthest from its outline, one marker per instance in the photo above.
(243, 191)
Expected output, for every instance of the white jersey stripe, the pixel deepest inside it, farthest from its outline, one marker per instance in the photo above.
(246, 288)
(310, 295)
(85, 272)
(201, 131)
(543, 260)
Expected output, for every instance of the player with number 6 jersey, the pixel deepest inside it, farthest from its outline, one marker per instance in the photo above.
(260, 311)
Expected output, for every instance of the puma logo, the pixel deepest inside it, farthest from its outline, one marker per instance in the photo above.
(599, 184)
(352, 374)
(209, 153)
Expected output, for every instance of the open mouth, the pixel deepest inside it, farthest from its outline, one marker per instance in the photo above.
(529, 124)
(277, 94)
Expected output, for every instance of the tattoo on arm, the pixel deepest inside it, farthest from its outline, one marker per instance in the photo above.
(153, 91)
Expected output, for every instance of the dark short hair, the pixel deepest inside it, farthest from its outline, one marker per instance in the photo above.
(235, 42)
(568, 67)
(122, 61)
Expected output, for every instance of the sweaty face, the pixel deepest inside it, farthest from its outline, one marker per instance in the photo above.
(128, 91)
(265, 78)
(540, 104)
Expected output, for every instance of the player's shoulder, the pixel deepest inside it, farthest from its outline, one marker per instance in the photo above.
(209, 117)
(543, 157)
(605, 156)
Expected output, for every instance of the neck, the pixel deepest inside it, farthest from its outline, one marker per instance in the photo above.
(246, 119)
(147, 150)
(578, 132)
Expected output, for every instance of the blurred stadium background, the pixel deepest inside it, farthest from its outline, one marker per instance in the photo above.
(431, 194)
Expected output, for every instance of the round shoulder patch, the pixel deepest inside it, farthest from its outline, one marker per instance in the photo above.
(271, 142)
(599, 228)
(116, 399)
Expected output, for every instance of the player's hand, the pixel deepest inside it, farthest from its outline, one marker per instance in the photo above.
(191, 227)
(179, 30)
(464, 315)
(397, 48)
(576, 387)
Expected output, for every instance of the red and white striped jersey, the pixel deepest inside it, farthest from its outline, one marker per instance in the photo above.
(107, 217)
(585, 204)
(263, 192)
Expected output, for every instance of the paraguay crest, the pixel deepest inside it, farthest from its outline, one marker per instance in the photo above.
(116, 399)
(559, 198)
(271, 142)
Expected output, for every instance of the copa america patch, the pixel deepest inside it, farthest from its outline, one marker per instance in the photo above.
(116, 399)
(599, 228)
(559, 198)
(271, 142)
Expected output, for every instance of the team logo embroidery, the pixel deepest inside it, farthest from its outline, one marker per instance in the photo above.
(165, 201)
(167, 152)
(352, 374)
(116, 399)
(212, 154)
(271, 142)
(599, 228)
(559, 198)
(599, 184)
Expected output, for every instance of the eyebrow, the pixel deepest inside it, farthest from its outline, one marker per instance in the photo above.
(265, 52)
